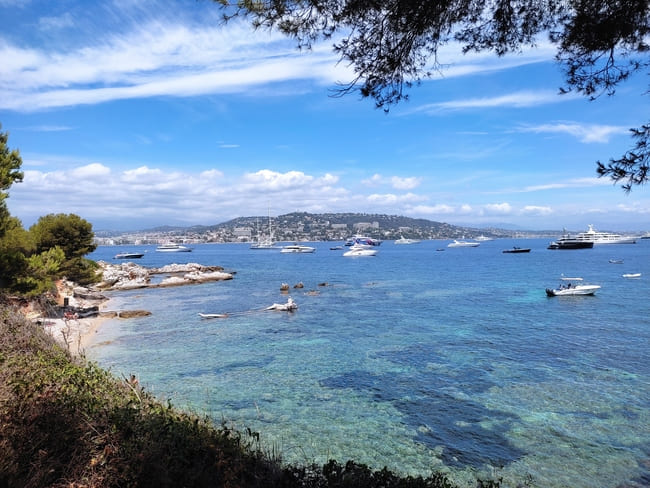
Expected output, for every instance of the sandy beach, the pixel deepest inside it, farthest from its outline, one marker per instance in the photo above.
(76, 334)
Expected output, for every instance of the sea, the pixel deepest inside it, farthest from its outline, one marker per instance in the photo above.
(420, 359)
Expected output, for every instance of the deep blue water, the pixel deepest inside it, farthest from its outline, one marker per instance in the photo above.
(416, 359)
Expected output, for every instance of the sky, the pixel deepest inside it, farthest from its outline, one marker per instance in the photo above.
(139, 113)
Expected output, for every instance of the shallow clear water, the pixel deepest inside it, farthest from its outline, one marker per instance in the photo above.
(416, 359)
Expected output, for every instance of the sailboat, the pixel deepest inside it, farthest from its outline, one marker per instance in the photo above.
(265, 242)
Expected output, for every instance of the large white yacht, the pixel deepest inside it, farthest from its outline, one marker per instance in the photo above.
(604, 237)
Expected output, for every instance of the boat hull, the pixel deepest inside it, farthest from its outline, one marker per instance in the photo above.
(297, 249)
(571, 244)
(579, 290)
(361, 252)
(173, 248)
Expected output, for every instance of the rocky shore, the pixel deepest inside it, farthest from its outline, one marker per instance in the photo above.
(79, 311)
(128, 276)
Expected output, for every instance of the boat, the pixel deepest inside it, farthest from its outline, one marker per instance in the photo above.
(213, 315)
(516, 249)
(483, 238)
(604, 237)
(362, 241)
(616, 261)
(173, 248)
(297, 248)
(403, 240)
(128, 255)
(360, 251)
(336, 248)
(566, 241)
(265, 242)
(632, 275)
(457, 243)
(569, 288)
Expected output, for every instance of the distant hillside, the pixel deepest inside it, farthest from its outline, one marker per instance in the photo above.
(384, 222)
(304, 226)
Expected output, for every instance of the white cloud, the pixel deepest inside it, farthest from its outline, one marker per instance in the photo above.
(392, 199)
(397, 182)
(536, 210)
(572, 183)
(90, 171)
(157, 58)
(266, 179)
(586, 133)
(374, 180)
(521, 99)
(55, 23)
(405, 183)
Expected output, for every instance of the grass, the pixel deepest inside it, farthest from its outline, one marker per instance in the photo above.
(66, 422)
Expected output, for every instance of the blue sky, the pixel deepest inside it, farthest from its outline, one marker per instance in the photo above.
(136, 113)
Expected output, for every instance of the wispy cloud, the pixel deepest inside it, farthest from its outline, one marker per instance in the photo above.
(156, 59)
(149, 53)
(586, 133)
(572, 183)
(56, 23)
(521, 99)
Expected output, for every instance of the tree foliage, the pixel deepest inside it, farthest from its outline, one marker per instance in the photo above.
(392, 44)
(10, 163)
(74, 236)
(70, 232)
(54, 247)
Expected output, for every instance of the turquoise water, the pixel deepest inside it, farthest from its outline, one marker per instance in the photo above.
(416, 359)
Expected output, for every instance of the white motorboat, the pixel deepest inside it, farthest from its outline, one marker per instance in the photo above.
(403, 240)
(359, 251)
(457, 243)
(632, 275)
(568, 287)
(173, 248)
(297, 248)
(604, 237)
(483, 238)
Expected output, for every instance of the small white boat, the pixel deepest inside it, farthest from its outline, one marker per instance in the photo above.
(213, 315)
(483, 238)
(297, 248)
(569, 288)
(173, 248)
(457, 243)
(359, 251)
(129, 255)
(632, 275)
(403, 240)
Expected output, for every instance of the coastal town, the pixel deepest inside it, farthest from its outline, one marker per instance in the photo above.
(302, 226)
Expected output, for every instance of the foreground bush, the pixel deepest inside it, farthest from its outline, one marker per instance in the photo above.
(65, 422)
